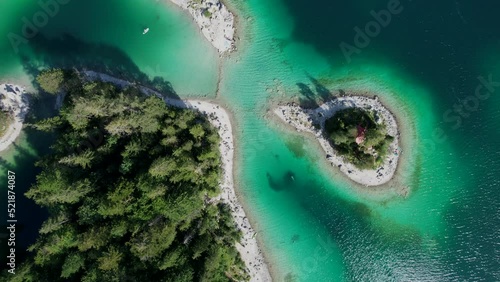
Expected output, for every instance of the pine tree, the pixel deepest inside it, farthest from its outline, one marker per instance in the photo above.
(51, 80)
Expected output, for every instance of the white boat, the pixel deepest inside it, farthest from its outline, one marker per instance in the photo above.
(146, 30)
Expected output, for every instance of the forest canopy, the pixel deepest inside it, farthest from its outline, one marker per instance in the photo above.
(129, 187)
(356, 135)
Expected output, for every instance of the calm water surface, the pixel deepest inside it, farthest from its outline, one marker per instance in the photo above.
(316, 228)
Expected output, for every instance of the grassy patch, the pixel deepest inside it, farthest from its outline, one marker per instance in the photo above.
(207, 13)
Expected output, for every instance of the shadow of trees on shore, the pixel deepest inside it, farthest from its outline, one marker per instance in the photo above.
(21, 158)
(69, 52)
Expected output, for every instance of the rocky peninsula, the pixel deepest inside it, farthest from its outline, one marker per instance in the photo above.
(313, 121)
(216, 22)
(14, 104)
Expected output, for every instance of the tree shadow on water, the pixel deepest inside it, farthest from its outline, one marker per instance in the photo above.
(28, 214)
(313, 93)
(308, 98)
(321, 90)
(69, 52)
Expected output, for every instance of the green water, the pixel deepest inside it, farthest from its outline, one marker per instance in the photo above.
(108, 35)
(318, 227)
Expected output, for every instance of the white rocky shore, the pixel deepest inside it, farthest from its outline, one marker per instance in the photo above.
(215, 21)
(248, 248)
(304, 119)
(13, 99)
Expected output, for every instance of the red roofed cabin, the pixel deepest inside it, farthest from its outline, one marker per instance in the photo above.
(361, 135)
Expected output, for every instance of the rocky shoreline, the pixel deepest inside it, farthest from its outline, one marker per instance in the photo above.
(248, 248)
(313, 121)
(13, 98)
(216, 22)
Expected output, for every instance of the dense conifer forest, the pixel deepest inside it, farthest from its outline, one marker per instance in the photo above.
(129, 186)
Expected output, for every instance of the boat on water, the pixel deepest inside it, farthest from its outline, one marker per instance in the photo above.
(146, 30)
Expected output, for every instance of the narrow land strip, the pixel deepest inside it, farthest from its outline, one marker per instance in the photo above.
(216, 22)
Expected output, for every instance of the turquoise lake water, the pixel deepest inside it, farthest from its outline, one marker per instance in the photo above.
(318, 227)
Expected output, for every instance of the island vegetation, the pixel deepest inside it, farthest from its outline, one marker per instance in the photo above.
(130, 187)
(358, 136)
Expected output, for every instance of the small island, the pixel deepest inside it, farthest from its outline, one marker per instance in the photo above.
(359, 136)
